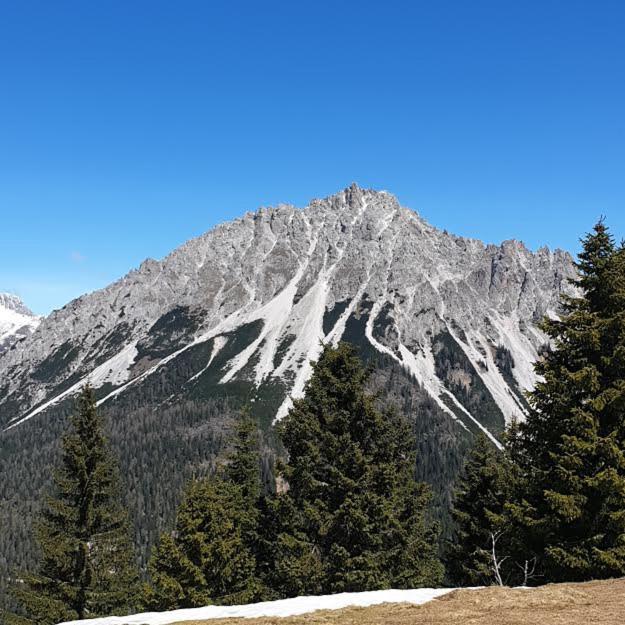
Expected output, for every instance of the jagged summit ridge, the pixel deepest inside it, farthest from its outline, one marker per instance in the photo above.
(355, 265)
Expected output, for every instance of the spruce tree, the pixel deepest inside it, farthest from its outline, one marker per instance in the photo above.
(244, 470)
(205, 560)
(479, 514)
(354, 517)
(87, 565)
(573, 442)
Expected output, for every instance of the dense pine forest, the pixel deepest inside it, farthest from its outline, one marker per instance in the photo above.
(347, 493)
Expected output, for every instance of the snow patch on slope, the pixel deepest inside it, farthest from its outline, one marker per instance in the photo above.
(421, 366)
(275, 315)
(307, 327)
(521, 348)
(280, 608)
(491, 377)
(114, 371)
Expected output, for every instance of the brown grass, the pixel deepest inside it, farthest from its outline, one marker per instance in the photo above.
(592, 603)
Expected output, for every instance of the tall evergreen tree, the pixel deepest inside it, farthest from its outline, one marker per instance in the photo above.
(261, 510)
(487, 484)
(87, 566)
(354, 518)
(573, 442)
(205, 560)
(211, 555)
(244, 470)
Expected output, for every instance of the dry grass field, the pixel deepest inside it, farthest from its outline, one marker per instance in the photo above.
(593, 603)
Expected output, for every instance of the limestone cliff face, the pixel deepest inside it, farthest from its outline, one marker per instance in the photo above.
(254, 299)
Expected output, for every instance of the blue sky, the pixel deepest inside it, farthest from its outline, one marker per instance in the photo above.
(129, 127)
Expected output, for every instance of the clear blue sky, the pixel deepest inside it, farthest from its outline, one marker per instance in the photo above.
(127, 127)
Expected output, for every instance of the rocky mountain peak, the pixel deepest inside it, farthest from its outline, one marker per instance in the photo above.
(355, 265)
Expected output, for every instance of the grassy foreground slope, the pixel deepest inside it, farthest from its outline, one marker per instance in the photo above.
(591, 603)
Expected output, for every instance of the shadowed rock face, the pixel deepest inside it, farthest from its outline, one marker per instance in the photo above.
(282, 280)
(16, 321)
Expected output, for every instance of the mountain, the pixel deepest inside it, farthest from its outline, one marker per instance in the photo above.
(267, 289)
(16, 321)
(235, 316)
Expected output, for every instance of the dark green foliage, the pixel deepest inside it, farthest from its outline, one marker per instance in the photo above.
(87, 565)
(487, 484)
(355, 330)
(504, 362)
(353, 517)
(205, 560)
(573, 443)
(243, 468)
(441, 442)
(385, 329)
(210, 557)
(161, 444)
(245, 472)
(159, 452)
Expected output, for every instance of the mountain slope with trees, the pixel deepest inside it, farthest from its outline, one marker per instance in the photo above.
(556, 494)
(178, 347)
(350, 515)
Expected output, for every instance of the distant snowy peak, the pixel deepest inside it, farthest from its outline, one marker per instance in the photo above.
(8, 301)
(17, 321)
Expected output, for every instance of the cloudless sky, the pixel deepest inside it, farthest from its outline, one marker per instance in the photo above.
(128, 127)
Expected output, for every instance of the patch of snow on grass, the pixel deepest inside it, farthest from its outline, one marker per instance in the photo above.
(280, 608)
